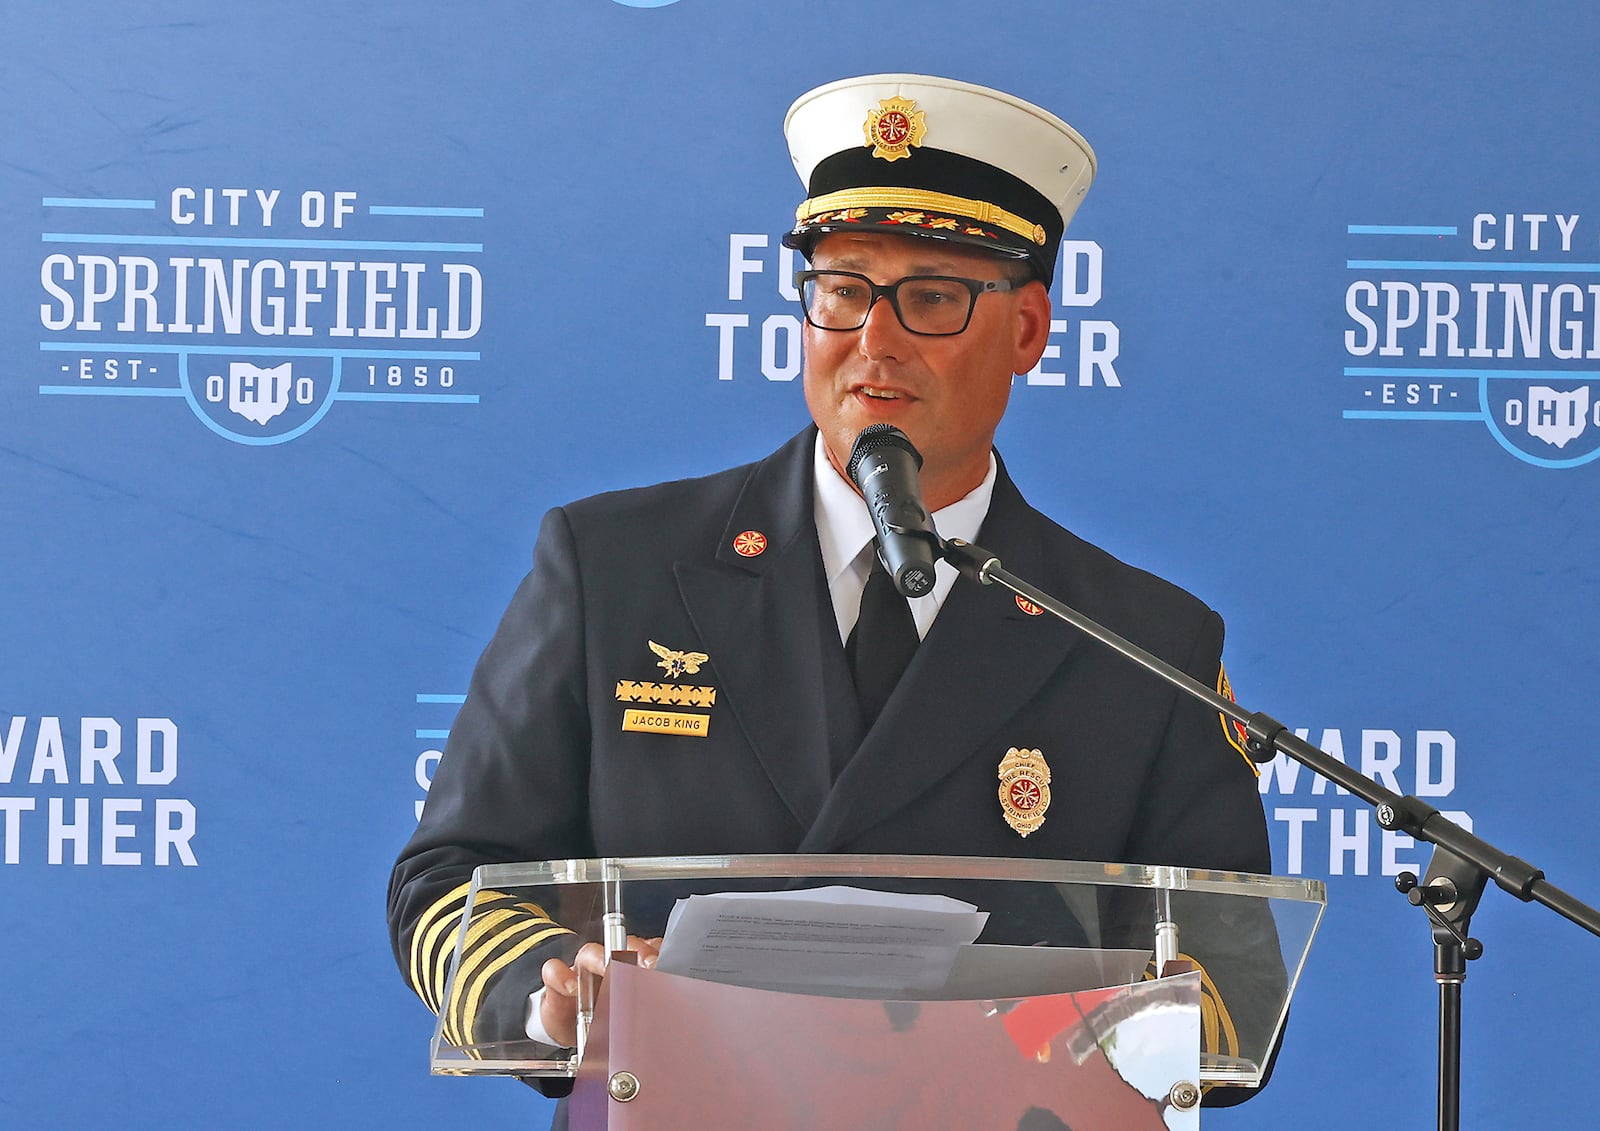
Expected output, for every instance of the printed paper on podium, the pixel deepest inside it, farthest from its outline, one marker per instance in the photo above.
(849, 942)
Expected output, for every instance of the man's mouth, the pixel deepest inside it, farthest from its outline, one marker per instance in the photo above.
(878, 394)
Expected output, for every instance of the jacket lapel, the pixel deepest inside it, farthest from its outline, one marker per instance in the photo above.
(760, 617)
(981, 662)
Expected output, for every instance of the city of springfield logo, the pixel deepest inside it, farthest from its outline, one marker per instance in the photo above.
(1495, 323)
(259, 308)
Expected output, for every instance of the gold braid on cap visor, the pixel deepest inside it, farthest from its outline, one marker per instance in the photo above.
(979, 210)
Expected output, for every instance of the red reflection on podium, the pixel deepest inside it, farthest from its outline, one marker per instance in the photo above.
(713, 1056)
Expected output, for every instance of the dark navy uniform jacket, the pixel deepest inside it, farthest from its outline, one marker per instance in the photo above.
(538, 765)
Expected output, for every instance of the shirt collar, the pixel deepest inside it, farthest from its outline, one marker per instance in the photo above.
(844, 527)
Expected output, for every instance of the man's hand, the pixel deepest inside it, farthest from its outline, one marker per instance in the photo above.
(558, 1008)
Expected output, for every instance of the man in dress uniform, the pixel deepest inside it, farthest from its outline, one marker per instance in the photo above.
(682, 672)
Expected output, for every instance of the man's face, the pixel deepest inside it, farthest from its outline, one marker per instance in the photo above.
(946, 393)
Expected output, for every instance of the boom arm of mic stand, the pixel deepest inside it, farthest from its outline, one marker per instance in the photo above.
(1267, 737)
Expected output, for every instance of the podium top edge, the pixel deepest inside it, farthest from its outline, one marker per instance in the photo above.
(627, 869)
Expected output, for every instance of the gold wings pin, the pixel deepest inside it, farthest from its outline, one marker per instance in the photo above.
(676, 664)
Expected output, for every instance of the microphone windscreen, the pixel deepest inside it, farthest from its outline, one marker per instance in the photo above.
(874, 437)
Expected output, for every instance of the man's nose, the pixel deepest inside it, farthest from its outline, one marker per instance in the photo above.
(882, 335)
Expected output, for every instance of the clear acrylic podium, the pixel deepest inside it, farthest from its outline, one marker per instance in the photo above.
(1096, 996)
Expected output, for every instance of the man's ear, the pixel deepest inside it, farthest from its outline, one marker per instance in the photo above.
(1032, 326)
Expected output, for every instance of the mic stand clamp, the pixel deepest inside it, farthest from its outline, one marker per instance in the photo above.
(1449, 894)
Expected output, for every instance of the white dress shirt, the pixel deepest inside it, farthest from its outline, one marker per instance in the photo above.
(844, 530)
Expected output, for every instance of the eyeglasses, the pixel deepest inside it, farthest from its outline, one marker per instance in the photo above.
(936, 305)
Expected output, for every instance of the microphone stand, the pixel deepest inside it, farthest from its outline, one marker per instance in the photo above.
(1462, 863)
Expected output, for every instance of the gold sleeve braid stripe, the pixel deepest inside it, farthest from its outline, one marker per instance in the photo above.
(494, 909)
(1217, 1031)
(485, 931)
(492, 912)
(520, 926)
(433, 938)
(478, 971)
(436, 926)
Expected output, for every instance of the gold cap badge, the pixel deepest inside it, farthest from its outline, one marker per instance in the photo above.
(894, 127)
(1024, 789)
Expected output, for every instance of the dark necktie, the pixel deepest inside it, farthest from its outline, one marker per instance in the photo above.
(882, 643)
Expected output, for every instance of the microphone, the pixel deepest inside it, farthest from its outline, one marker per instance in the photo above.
(883, 466)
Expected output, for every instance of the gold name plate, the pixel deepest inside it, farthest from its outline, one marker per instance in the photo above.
(666, 722)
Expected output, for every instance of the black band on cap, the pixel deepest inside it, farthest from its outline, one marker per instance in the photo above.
(1026, 214)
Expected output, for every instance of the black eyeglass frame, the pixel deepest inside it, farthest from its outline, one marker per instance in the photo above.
(975, 287)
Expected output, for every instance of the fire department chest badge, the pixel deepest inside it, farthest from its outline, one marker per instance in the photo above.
(1024, 789)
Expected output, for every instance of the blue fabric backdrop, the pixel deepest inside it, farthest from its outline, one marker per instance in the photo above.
(1339, 271)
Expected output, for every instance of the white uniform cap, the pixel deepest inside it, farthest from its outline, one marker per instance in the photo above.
(936, 157)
